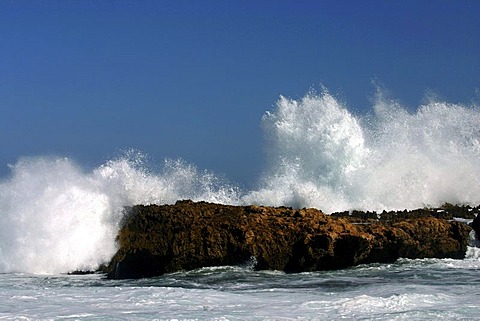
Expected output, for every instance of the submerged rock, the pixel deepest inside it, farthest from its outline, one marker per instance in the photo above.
(82, 272)
(160, 239)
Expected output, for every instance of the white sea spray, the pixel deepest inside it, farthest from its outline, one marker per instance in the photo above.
(58, 217)
(323, 156)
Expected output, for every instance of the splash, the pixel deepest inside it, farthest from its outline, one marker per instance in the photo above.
(323, 156)
(57, 218)
(315, 146)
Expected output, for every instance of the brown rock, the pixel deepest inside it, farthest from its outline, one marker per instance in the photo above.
(161, 239)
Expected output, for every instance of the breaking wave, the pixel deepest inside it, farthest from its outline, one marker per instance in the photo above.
(57, 217)
(323, 156)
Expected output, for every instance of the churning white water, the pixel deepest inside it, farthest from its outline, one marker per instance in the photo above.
(429, 289)
(324, 156)
(56, 217)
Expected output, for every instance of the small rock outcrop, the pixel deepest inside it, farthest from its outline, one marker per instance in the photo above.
(160, 239)
(476, 226)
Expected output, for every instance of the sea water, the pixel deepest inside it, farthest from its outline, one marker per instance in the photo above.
(57, 217)
(429, 289)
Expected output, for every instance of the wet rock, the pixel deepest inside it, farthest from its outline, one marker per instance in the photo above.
(160, 239)
(476, 226)
(82, 272)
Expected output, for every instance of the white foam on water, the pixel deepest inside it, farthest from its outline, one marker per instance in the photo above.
(323, 156)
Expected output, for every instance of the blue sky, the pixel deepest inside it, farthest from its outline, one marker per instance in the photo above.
(192, 79)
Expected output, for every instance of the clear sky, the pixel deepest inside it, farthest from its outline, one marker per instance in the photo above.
(192, 79)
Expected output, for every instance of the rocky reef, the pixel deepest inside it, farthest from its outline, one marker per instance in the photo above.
(160, 239)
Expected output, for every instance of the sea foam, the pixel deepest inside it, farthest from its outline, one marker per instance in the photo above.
(57, 217)
(323, 156)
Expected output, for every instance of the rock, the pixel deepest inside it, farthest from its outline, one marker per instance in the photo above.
(160, 239)
(81, 272)
(476, 226)
(446, 211)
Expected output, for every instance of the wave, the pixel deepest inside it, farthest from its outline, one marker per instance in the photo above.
(56, 217)
(321, 155)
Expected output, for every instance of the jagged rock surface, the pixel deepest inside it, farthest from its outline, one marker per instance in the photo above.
(160, 239)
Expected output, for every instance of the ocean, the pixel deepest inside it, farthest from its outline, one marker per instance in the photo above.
(57, 217)
(429, 289)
